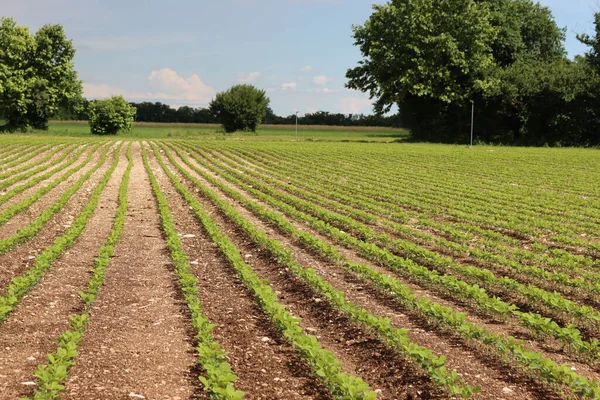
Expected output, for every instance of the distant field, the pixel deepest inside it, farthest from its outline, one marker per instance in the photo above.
(212, 131)
(323, 270)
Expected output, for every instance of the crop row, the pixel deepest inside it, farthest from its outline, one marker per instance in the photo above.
(406, 191)
(34, 227)
(52, 375)
(584, 279)
(21, 285)
(392, 212)
(14, 209)
(323, 363)
(486, 251)
(412, 270)
(546, 368)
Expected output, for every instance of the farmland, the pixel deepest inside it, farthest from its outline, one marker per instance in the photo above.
(262, 269)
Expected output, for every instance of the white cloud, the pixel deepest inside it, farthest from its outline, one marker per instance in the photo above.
(247, 78)
(320, 80)
(355, 105)
(93, 91)
(191, 89)
(289, 85)
(308, 68)
(326, 90)
(167, 86)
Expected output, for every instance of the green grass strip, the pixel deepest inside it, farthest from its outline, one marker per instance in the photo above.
(397, 338)
(21, 285)
(219, 377)
(13, 210)
(324, 363)
(52, 375)
(33, 228)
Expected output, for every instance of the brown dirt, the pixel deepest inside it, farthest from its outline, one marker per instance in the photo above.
(22, 257)
(267, 366)
(30, 332)
(137, 341)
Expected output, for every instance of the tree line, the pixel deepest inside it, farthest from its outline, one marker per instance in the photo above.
(160, 112)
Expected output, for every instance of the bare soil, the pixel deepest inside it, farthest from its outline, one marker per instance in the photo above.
(138, 341)
(30, 332)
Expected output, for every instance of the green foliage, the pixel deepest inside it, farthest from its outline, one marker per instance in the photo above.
(432, 57)
(110, 116)
(36, 74)
(19, 286)
(325, 222)
(240, 108)
(592, 57)
(427, 48)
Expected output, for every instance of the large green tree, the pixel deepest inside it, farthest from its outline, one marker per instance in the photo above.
(240, 108)
(592, 57)
(432, 57)
(36, 74)
(440, 49)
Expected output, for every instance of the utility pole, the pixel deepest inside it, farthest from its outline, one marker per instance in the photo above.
(472, 119)
(297, 124)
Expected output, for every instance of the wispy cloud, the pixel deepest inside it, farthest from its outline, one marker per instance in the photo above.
(247, 78)
(321, 80)
(289, 85)
(355, 105)
(308, 68)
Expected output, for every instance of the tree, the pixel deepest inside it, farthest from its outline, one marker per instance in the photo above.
(36, 74)
(441, 49)
(432, 57)
(110, 116)
(240, 108)
(592, 57)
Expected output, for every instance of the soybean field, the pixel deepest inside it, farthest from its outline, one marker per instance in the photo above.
(228, 269)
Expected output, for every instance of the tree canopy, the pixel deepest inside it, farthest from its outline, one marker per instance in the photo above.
(36, 74)
(240, 108)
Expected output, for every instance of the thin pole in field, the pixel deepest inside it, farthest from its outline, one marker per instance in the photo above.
(296, 125)
(472, 118)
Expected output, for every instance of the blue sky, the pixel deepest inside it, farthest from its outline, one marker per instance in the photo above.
(183, 52)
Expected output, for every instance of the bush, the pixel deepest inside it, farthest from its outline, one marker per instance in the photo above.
(110, 116)
(240, 108)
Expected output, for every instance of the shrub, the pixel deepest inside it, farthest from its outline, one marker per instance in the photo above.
(110, 116)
